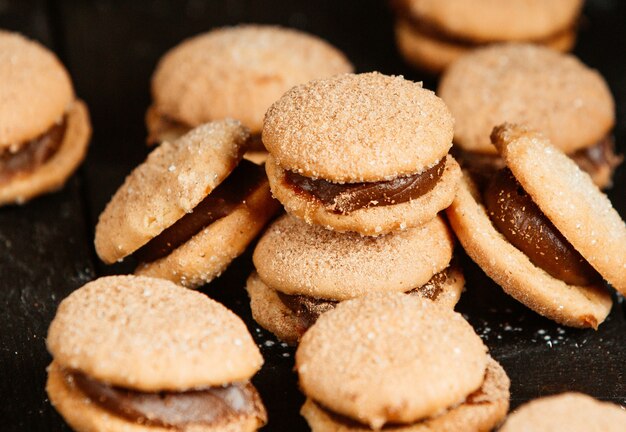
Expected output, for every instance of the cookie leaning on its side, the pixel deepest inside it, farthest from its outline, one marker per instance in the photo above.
(44, 129)
(366, 153)
(305, 270)
(190, 208)
(398, 361)
(132, 353)
(543, 231)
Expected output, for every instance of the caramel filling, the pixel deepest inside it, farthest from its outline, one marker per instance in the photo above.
(600, 156)
(209, 406)
(31, 154)
(524, 225)
(348, 197)
(231, 193)
(308, 309)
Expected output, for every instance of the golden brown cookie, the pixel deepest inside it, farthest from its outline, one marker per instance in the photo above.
(571, 103)
(135, 353)
(44, 130)
(571, 294)
(572, 412)
(235, 72)
(391, 358)
(332, 163)
(174, 210)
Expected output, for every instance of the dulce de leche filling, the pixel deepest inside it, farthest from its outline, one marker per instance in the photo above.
(308, 309)
(31, 154)
(348, 197)
(519, 219)
(209, 406)
(230, 194)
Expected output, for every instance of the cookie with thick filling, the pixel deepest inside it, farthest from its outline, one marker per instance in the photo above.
(364, 153)
(190, 208)
(393, 361)
(176, 360)
(530, 229)
(44, 129)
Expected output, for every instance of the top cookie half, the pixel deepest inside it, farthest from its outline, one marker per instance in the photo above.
(358, 128)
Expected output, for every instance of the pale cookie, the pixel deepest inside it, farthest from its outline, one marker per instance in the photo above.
(237, 72)
(569, 198)
(480, 412)
(390, 358)
(572, 412)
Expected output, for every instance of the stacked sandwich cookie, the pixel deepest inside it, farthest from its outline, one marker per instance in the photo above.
(431, 34)
(543, 230)
(190, 208)
(44, 129)
(234, 72)
(365, 153)
(133, 353)
(399, 363)
(305, 270)
(551, 92)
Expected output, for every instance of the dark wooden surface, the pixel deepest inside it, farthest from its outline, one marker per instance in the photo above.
(110, 49)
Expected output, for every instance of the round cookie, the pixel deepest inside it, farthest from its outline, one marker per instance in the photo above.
(55, 171)
(480, 412)
(570, 103)
(433, 55)
(36, 89)
(572, 412)
(150, 334)
(569, 198)
(44, 130)
(494, 20)
(390, 358)
(170, 183)
(300, 259)
(238, 72)
(358, 128)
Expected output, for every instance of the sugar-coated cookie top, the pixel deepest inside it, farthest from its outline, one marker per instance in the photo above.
(35, 89)
(390, 358)
(239, 71)
(150, 334)
(353, 128)
(173, 179)
(496, 20)
(551, 92)
(298, 258)
(571, 412)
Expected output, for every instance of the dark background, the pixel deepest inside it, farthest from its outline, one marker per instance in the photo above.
(110, 49)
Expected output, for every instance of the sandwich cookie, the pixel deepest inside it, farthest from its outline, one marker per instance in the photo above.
(431, 34)
(133, 353)
(543, 231)
(305, 270)
(44, 129)
(190, 208)
(366, 153)
(234, 72)
(572, 412)
(550, 92)
(400, 363)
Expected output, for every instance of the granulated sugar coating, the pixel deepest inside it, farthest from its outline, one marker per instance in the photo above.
(170, 183)
(355, 128)
(150, 335)
(298, 258)
(239, 72)
(571, 412)
(569, 198)
(390, 358)
(548, 91)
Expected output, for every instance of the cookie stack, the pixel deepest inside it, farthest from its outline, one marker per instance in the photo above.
(361, 164)
(431, 34)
